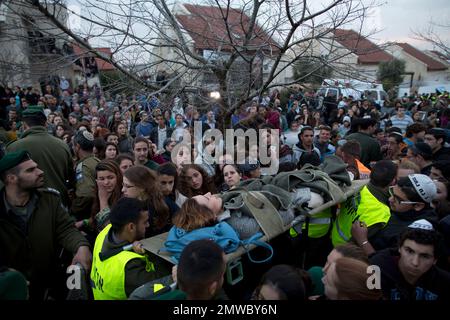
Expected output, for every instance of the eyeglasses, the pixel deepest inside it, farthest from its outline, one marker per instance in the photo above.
(400, 200)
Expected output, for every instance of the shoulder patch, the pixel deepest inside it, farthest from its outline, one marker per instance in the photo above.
(79, 172)
(53, 191)
(50, 190)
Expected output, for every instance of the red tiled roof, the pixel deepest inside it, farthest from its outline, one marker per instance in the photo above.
(432, 65)
(101, 64)
(208, 29)
(440, 55)
(367, 51)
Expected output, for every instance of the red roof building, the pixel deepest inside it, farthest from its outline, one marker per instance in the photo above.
(432, 64)
(102, 65)
(208, 29)
(367, 51)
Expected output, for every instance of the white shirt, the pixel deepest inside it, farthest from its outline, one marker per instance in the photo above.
(162, 136)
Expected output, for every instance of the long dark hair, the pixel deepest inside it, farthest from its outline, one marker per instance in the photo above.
(142, 177)
(184, 185)
(107, 165)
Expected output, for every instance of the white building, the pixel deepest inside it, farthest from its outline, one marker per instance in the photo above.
(423, 69)
(350, 54)
(33, 51)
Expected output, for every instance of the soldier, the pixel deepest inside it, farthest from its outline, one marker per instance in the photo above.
(84, 175)
(33, 223)
(50, 153)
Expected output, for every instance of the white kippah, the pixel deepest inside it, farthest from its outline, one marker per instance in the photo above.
(87, 135)
(421, 224)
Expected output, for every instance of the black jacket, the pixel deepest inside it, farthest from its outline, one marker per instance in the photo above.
(433, 285)
(388, 236)
(154, 134)
(442, 154)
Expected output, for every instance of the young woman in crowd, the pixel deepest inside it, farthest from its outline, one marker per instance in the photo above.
(111, 151)
(108, 192)
(219, 181)
(125, 141)
(195, 181)
(231, 175)
(168, 179)
(60, 129)
(346, 279)
(124, 161)
(141, 183)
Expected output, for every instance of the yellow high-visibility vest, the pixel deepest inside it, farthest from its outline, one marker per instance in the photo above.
(108, 277)
(364, 207)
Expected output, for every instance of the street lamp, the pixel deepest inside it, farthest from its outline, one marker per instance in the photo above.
(215, 94)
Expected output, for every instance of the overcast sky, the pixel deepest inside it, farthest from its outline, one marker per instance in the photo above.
(395, 19)
(399, 18)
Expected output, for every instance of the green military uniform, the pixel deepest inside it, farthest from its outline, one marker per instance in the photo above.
(50, 153)
(85, 187)
(31, 245)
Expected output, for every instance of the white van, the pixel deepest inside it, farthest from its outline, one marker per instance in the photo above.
(373, 92)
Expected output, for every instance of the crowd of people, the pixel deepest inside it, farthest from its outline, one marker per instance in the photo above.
(83, 175)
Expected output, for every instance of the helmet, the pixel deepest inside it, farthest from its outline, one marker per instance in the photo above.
(424, 186)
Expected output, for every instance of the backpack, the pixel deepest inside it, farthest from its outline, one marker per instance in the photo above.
(221, 233)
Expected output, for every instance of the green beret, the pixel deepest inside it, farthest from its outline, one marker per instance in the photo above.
(33, 111)
(12, 159)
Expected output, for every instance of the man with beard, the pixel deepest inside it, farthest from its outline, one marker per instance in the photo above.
(117, 273)
(34, 223)
(52, 155)
(369, 207)
(305, 147)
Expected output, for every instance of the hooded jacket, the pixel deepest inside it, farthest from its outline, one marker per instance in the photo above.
(299, 150)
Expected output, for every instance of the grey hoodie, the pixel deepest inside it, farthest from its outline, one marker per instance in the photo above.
(299, 150)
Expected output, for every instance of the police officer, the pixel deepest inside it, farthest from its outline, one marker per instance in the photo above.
(50, 153)
(370, 206)
(84, 174)
(116, 273)
(33, 223)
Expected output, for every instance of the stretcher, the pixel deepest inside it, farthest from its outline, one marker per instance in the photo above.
(271, 226)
